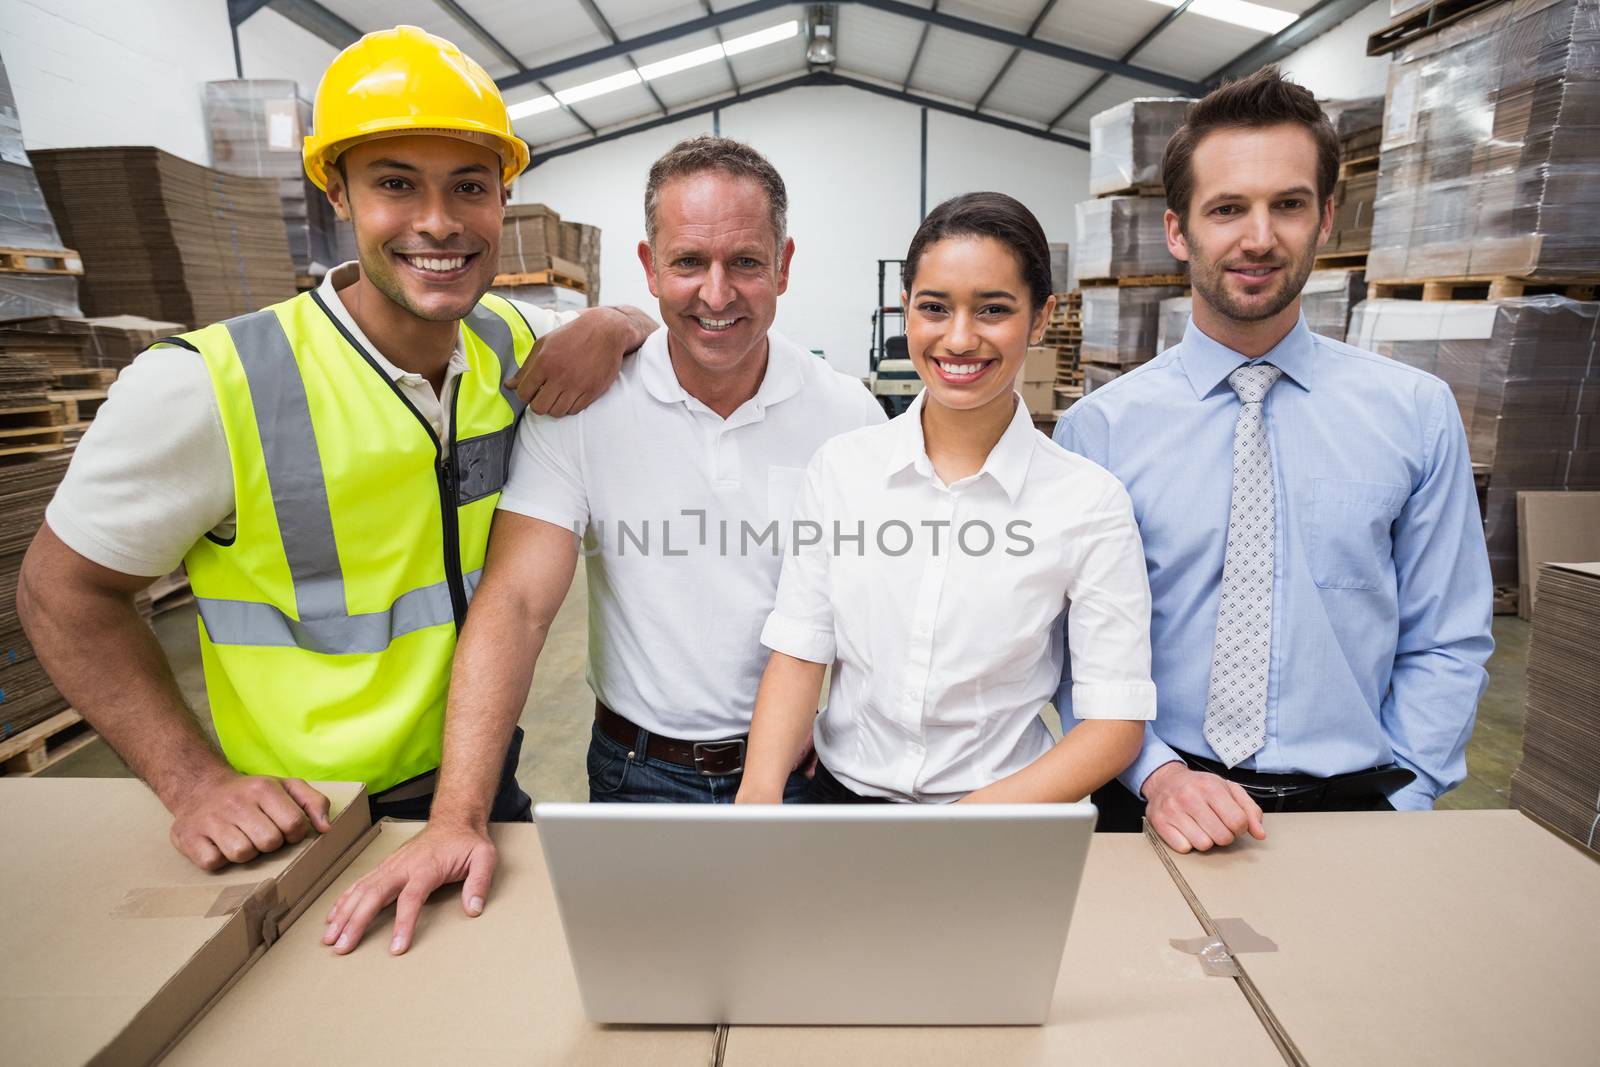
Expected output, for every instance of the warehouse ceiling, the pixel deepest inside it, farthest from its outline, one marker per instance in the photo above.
(582, 72)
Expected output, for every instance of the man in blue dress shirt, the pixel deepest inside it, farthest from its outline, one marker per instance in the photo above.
(1321, 591)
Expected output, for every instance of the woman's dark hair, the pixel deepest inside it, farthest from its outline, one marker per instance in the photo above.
(993, 215)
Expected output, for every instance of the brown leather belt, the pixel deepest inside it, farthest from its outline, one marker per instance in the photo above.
(710, 758)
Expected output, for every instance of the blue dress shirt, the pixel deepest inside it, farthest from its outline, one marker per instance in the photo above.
(1382, 599)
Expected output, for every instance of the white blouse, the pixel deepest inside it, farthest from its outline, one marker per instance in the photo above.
(941, 607)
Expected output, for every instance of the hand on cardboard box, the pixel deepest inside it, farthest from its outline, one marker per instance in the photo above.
(439, 855)
(235, 818)
(1193, 810)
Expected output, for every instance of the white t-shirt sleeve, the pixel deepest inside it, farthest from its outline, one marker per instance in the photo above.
(546, 479)
(542, 320)
(1108, 620)
(152, 474)
(801, 623)
(872, 412)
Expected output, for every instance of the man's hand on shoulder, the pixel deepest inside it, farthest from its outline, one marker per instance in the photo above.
(1193, 810)
(572, 365)
(233, 818)
(442, 853)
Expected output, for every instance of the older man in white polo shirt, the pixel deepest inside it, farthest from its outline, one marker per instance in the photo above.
(680, 480)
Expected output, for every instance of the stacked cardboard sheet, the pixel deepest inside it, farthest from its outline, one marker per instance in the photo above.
(1124, 237)
(1119, 322)
(1490, 158)
(163, 237)
(1126, 143)
(256, 128)
(1172, 319)
(27, 696)
(1559, 779)
(1328, 299)
(1525, 373)
(25, 223)
(109, 341)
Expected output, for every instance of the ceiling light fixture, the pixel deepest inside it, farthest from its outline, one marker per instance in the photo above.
(651, 71)
(1257, 17)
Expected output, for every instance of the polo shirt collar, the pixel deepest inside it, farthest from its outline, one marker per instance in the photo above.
(345, 275)
(1007, 462)
(1207, 363)
(783, 378)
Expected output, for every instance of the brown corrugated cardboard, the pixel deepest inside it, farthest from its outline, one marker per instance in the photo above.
(1553, 527)
(112, 940)
(1125, 995)
(1039, 365)
(1438, 937)
(495, 989)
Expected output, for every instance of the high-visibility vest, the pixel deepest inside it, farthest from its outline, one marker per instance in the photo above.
(328, 623)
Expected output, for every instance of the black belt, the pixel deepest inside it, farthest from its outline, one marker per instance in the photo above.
(1295, 792)
(710, 758)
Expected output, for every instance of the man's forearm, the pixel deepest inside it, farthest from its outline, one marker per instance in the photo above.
(1087, 757)
(109, 666)
(489, 683)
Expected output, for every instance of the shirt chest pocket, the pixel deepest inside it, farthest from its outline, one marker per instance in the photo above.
(1348, 533)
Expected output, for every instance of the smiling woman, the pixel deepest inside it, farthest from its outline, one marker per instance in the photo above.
(949, 545)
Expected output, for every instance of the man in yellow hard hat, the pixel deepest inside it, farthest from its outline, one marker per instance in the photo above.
(326, 469)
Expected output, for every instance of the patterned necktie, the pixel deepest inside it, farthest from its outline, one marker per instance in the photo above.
(1236, 701)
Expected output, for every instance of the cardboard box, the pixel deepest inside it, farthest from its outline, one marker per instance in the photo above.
(1553, 527)
(495, 989)
(1039, 365)
(1415, 937)
(1125, 994)
(113, 942)
(1038, 397)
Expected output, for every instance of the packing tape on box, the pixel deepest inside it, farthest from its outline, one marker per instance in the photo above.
(254, 899)
(1216, 954)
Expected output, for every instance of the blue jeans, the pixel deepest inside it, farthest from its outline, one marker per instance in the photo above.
(616, 779)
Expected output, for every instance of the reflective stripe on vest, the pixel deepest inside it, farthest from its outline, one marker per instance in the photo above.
(300, 499)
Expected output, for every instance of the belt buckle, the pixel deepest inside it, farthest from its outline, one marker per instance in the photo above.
(707, 750)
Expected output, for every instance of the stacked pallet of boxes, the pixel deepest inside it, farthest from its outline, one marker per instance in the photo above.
(547, 261)
(1488, 209)
(38, 275)
(167, 238)
(1124, 268)
(1558, 781)
(1064, 333)
(256, 129)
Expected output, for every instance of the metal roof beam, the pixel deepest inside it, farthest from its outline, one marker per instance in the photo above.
(891, 7)
(814, 78)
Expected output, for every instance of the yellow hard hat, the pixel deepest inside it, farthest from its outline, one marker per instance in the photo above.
(407, 81)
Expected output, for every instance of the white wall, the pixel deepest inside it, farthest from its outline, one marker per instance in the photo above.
(1336, 66)
(851, 163)
(99, 72)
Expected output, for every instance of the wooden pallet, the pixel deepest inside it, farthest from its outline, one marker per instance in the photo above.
(1353, 168)
(1341, 261)
(1145, 279)
(1480, 287)
(45, 744)
(1157, 189)
(79, 404)
(541, 277)
(1505, 600)
(84, 377)
(40, 261)
(32, 415)
(1420, 23)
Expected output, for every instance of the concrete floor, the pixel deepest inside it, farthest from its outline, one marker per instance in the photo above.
(560, 709)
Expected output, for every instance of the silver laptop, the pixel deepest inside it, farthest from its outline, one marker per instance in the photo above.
(823, 915)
